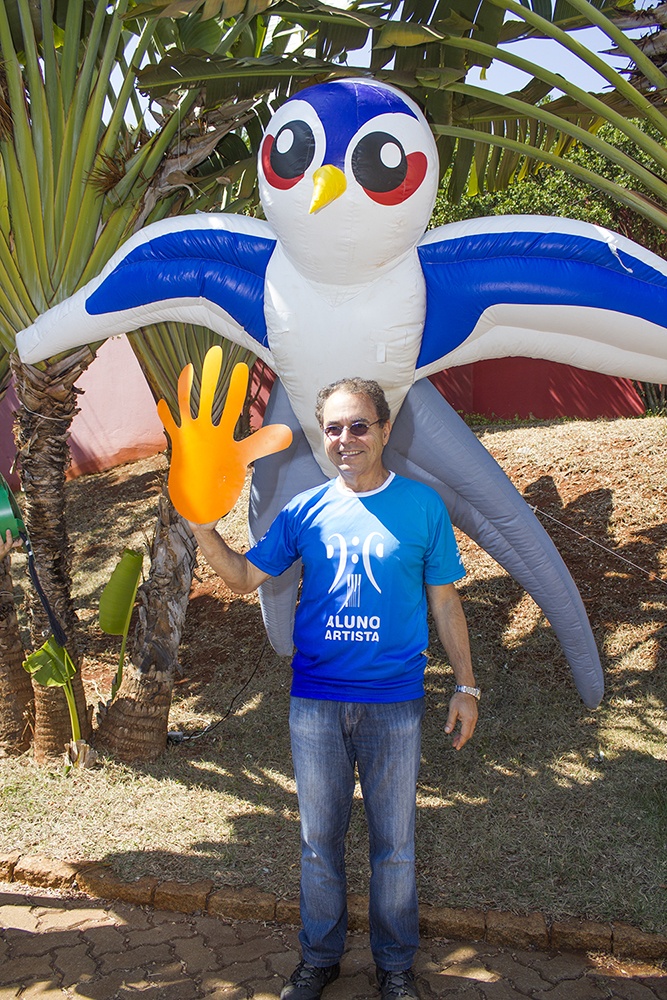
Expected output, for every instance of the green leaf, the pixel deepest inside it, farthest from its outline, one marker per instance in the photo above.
(50, 665)
(117, 599)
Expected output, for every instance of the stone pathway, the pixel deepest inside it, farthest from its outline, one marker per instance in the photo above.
(70, 946)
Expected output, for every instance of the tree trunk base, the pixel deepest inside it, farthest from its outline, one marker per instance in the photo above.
(134, 727)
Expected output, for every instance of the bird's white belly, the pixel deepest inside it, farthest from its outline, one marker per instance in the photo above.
(321, 333)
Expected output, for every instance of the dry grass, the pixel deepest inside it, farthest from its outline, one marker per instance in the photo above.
(551, 807)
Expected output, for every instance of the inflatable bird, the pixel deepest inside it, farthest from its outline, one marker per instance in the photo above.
(342, 280)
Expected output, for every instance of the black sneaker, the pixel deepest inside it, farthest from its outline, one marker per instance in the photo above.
(397, 984)
(307, 982)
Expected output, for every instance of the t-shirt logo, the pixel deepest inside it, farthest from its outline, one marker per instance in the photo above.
(349, 554)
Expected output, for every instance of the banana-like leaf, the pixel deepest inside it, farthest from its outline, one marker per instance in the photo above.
(117, 598)
(116, 604)
(50, 665)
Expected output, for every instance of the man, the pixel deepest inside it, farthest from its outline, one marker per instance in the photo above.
(373, 546)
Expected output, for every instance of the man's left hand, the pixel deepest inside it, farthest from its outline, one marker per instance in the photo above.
(463, 710)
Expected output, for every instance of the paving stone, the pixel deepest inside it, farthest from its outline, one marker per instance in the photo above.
(578, 989)
(470, 970)
(37, 991)
(441, 986)
(238, 973)
(135, 958)
(35, 869)
(129, 915)
(347, 987)
(249, 950)
(451, 922)
(25, 969)
(182, 897)
(168, 972)
(267, 992)
(228, 993)
(183, 990)
(104, 939)
(244, 903)
(501, 990)
(524, 977)
(520, 930)
(107, 987)
(580, 935)
(215, 931)
(659, 986)
(16, 916)
(166, 932)
(627, 989)
(556, 968)
(68, 918)
(73, 964)
(41, 944)
(195, 955)
(283, 963)
(628, 940)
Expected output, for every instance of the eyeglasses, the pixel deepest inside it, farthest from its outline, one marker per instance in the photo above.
(357, 429)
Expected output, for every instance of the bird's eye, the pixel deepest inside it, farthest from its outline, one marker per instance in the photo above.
(386, 173)
(287, 155)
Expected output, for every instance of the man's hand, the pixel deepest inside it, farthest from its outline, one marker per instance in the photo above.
(208, 466)
(463, 709)
(8, 544)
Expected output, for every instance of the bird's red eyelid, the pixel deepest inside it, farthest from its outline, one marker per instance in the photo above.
(282, 183)
(417, 167)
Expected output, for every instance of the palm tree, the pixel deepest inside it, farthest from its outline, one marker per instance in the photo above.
(428, 50)
(134, 725)
(76, 179)
(17, 704)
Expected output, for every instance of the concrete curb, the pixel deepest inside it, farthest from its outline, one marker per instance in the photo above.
(503, 928)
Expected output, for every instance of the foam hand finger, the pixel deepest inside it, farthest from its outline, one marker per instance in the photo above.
(238, 386)
(209, 381)
(168, 422)
(185, 394)
(266, 441)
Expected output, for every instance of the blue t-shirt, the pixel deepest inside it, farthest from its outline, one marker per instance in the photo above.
(361, 630)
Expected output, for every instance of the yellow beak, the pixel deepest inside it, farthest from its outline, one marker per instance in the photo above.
(328, 184)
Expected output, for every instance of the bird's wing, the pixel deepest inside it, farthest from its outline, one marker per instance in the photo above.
(206, 269)
(429, 442)
(542, 287)
(275, 480)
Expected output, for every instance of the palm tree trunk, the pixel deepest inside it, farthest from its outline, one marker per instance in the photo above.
(48, 398)
(17, 705)
(134, 726)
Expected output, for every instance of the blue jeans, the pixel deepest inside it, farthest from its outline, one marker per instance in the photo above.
(384, 741)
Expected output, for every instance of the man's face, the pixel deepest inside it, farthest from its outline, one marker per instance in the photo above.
(354, 455)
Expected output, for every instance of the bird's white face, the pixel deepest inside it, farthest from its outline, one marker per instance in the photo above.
(348, 173)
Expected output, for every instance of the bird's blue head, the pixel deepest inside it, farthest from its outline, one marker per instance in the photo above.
(363, 151)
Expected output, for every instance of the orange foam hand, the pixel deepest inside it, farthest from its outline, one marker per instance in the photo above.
(208, 466)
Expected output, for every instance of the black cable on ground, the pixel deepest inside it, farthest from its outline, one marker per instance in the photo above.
(177, 737)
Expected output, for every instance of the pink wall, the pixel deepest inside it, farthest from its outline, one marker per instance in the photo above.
(117, 421)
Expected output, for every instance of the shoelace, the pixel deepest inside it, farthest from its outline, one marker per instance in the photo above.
(394, 984)
(307, 975)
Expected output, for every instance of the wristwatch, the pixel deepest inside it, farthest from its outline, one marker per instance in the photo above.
(465, 689)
